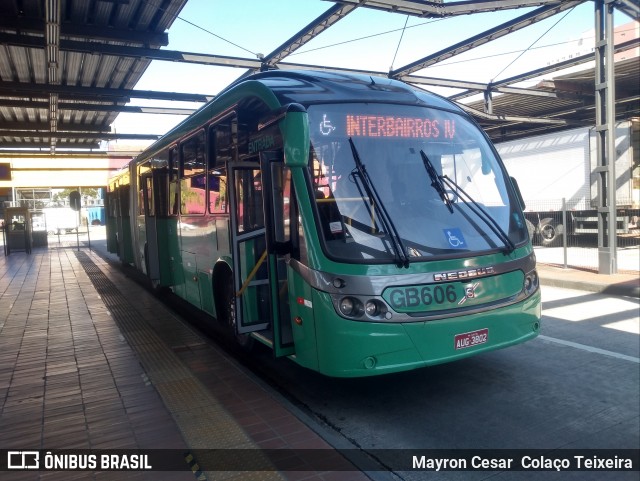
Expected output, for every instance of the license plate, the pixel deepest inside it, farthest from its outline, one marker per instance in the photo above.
(470, 339)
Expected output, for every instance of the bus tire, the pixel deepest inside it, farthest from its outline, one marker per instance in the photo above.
(146, 259)
(226, 299)
(550, 232)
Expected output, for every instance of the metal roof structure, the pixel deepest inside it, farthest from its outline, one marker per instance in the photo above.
(562, 102)
(69, 67)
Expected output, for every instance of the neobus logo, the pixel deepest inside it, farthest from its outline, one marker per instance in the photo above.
(467, 274)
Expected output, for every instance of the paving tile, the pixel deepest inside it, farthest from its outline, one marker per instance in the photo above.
(83, 370)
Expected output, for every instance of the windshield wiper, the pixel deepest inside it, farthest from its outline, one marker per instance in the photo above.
(436, 181)
(443, 180)
(480, 212)
(402, 260)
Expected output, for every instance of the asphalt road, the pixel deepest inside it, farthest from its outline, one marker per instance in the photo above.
(577, 386)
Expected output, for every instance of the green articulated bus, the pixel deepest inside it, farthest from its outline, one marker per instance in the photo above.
(355, 224)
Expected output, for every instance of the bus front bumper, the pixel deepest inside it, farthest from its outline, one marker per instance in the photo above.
(347, 348)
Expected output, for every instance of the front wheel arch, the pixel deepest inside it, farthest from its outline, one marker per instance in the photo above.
(222, 284)
(225, 301)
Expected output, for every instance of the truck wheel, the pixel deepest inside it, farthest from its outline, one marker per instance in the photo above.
(531, 229)
(550, 232)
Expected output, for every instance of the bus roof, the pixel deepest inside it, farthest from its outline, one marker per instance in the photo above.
(308, 87)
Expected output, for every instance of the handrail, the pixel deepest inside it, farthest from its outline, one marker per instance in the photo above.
(252, 274)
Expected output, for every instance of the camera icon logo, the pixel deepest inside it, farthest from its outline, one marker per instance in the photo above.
(23, 459)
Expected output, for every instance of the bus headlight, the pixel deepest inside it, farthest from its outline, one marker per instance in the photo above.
(372, 308)
(350, 307)
(531, 282)
(361, 308)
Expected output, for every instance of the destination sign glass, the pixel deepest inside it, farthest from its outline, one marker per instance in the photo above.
(399, 127)
(382, 122)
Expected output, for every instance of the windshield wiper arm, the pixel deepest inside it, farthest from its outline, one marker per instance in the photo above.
(436, 180)
(361, 172)
(480, 212)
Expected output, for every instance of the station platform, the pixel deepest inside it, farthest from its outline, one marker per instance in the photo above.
(90, 360)
(624, 284)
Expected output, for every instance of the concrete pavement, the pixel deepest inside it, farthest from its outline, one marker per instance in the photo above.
(616, 284)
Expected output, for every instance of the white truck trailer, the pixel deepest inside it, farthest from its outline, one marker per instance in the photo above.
(557, 166)
(60, 220)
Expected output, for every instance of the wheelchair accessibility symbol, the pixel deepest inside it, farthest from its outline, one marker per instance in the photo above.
(455, 238)
(325, 126)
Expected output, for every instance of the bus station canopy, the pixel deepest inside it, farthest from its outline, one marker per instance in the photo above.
(69, 67)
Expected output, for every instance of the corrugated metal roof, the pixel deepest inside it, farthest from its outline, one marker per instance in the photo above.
(56, 93)
(29, 46)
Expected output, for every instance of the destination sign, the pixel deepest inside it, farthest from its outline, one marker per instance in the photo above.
(399, 127)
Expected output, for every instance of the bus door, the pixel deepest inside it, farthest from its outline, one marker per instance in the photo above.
(151, 245)
(165, 224)
(125, 246)
(111, 206)
(257, 278)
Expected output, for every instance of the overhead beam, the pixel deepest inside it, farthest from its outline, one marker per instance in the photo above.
(76, 135)
(512, 118)
(502, 131)
(43, 126)
(309, 32)
(629, 7)
(548, 69)
(430, 9)
(240, 62)
(43, 146)
(88, 107)
(122, 95)
(621, 47)
(99, 48)
(486, 37)
(480, 87)
(93, 32)
(52, 54)
(21, 89)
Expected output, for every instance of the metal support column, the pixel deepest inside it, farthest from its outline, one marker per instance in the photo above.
(488, 101)
(605, 137)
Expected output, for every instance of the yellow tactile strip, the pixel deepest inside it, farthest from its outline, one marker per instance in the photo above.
(202, 420)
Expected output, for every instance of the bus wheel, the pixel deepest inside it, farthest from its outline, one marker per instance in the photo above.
(550, 232)
(146, 259)
(228, 315)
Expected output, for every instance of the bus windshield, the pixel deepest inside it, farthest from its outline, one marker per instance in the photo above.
(374, 195)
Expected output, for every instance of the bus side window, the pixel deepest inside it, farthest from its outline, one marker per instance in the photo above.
(292, 221)
(141, 203)
(223, 144)
(221, 152)
(249, 200)
(192, 175)
(218, 191)
(158, 196)
(149, 206)
(281, 179)
(174, 181)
